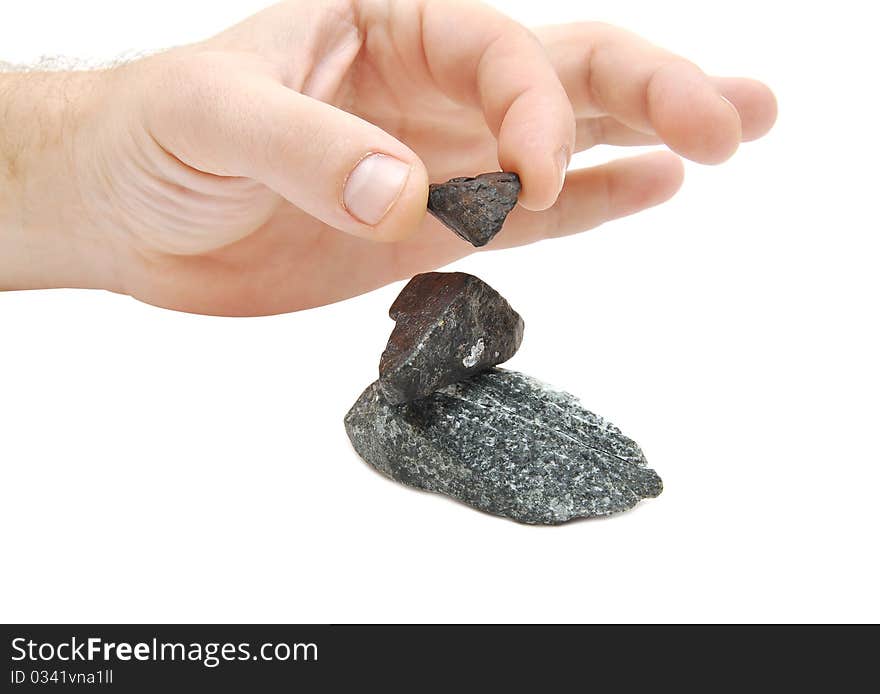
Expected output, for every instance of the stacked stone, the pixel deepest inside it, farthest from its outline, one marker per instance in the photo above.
(441, 417)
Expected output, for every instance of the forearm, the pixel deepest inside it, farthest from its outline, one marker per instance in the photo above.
(46, 237)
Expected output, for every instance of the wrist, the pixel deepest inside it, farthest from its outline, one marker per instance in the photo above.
(46, 237)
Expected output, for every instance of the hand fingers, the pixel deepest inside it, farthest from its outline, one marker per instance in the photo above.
(605, 130)
(596, 195)
(477, 55)
(649, 89)
(754, 102)
(222, 119)
(608, 71)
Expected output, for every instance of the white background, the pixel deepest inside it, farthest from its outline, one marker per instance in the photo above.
(158, 466)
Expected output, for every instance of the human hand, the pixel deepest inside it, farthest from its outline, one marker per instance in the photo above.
(239, 176)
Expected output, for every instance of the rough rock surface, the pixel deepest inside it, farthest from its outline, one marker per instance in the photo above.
(449, 326)
(506, 444)
(475, 208)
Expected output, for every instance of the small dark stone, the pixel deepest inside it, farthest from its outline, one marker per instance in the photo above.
(506, 444)
(475, 208)
(449, 325)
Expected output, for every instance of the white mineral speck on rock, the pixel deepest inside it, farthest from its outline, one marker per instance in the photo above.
(476, 352)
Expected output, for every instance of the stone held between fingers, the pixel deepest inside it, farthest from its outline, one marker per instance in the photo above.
(475, 208)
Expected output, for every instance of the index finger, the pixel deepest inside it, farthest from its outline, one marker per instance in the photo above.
(476, 55)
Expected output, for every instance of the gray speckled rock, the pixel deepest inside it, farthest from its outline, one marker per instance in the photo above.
(449, 326)
(475, 208)
(506, 444)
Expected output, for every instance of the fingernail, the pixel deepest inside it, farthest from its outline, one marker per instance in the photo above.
(562, 159)
(373, 187)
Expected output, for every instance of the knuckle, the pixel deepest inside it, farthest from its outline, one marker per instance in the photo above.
(187, 79)
(169, 82)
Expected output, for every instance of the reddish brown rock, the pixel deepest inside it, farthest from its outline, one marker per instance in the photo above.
(449, 326)
(475, 208)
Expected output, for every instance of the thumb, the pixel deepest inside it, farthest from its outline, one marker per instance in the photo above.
(335, 166)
